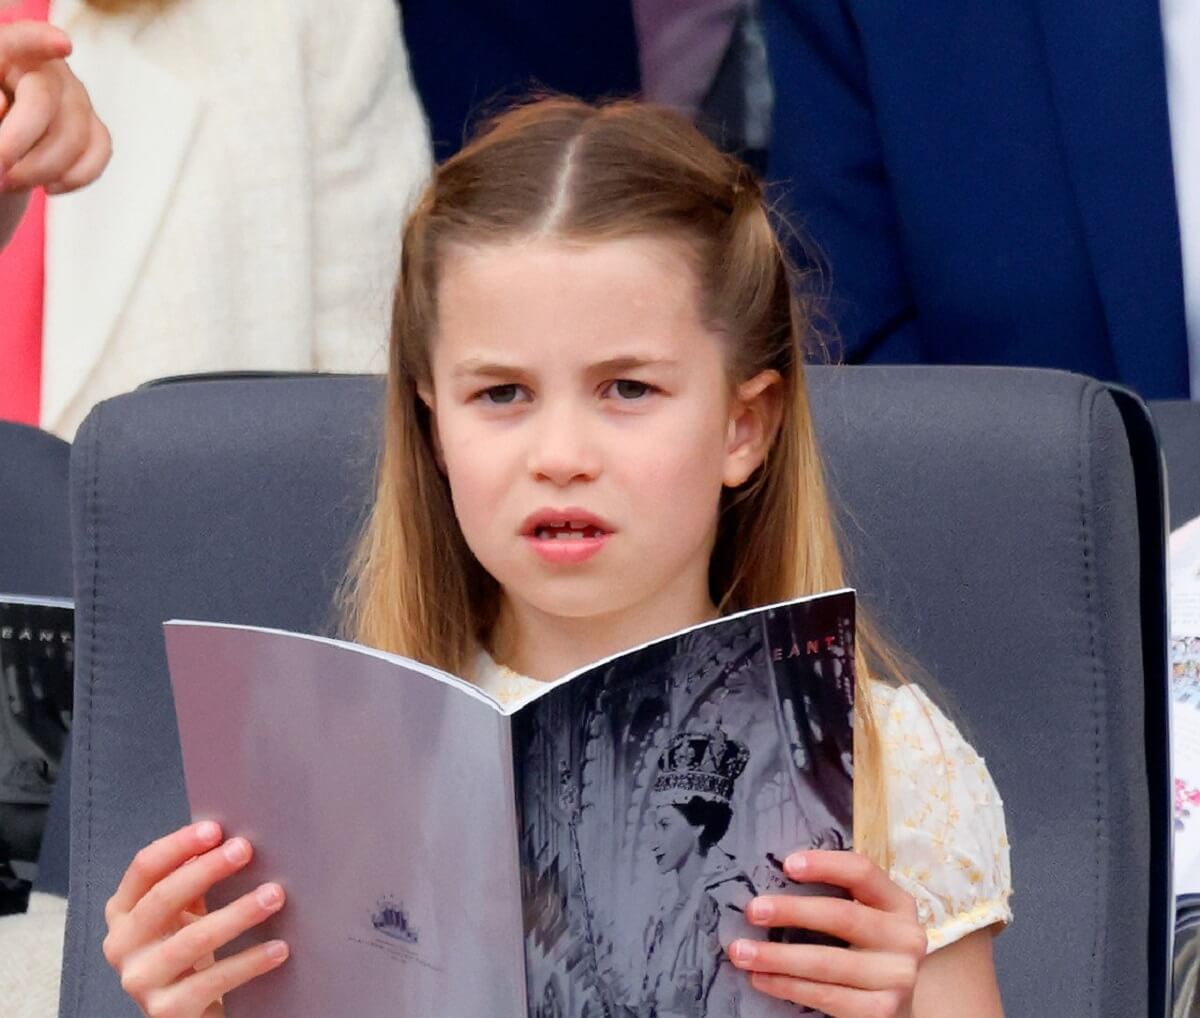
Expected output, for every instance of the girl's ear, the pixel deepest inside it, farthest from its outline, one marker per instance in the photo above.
(426, 397)
(754, 417)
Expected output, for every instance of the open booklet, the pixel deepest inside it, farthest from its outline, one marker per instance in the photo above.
(587, 852)
(37, 658)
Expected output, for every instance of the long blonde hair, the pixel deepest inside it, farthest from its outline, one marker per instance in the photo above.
(567, 169)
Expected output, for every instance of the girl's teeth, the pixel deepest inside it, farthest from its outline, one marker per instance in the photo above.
(576, 525)
(551, 533)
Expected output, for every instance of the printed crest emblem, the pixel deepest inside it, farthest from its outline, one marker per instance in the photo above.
(391, 920)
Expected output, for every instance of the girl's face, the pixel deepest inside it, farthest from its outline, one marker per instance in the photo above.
(672, 839)
(586, 424)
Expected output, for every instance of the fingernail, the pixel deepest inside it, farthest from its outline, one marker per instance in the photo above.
(760, 910)
(742, 952)
(277, 950)
(237, 850)
(269, 895)
(207, 832)
(796, 864)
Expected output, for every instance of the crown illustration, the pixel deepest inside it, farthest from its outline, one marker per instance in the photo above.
(392, 920)
(703, 762)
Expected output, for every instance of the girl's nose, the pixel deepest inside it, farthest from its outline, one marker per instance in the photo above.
(561, 448)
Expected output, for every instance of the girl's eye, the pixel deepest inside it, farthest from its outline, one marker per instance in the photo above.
(501, 395)
(629, 390)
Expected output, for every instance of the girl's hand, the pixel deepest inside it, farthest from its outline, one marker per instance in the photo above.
(49, 134)
(161, 938)
(872, 978)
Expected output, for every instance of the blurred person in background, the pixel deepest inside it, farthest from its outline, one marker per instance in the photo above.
(1004, 183)
(705, 58)
(50, 141)
(265, 155)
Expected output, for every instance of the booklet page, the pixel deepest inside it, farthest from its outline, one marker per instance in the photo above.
(381, 799)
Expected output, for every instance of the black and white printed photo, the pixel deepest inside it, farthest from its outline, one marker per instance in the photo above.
(660, 793)
(36, 670)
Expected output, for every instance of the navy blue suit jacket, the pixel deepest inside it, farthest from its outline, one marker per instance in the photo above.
(989, 181)
(472, 57)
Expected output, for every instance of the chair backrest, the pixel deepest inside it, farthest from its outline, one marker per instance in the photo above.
(1178, 423)
(1005, 527)
(992, 517)
(35, 535)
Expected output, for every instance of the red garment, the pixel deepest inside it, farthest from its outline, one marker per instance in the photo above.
(22, 285)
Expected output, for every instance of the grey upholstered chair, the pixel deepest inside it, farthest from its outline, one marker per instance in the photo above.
(1178, 423)
(35, 537)
(996, 520)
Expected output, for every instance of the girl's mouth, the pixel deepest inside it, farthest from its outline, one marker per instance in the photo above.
(566, 536)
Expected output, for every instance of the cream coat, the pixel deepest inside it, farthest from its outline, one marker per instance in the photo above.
(264, 155)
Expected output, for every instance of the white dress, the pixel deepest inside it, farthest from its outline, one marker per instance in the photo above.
(946, 819)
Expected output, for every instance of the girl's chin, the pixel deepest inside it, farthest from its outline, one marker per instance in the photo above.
(575, 609)
(567, 594)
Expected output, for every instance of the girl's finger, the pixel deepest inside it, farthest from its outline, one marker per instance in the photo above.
(197, 941)
(863, 970)
(193, 915)
(159, 912)
(829, 999)
(865, 881)
(851, 921)
(26, 43)
(90, 165)
(60, 148)
(161, 906)
(158, 859)
(33, 111)
(190, 995)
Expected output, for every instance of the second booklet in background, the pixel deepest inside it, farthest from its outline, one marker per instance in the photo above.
(587, 853)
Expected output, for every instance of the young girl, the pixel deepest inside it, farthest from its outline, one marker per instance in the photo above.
(597, 433)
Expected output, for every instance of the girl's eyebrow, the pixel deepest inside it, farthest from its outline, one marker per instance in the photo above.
(615, 365)
(475, 366)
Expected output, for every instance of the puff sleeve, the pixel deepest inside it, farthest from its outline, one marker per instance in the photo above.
(946, 824)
